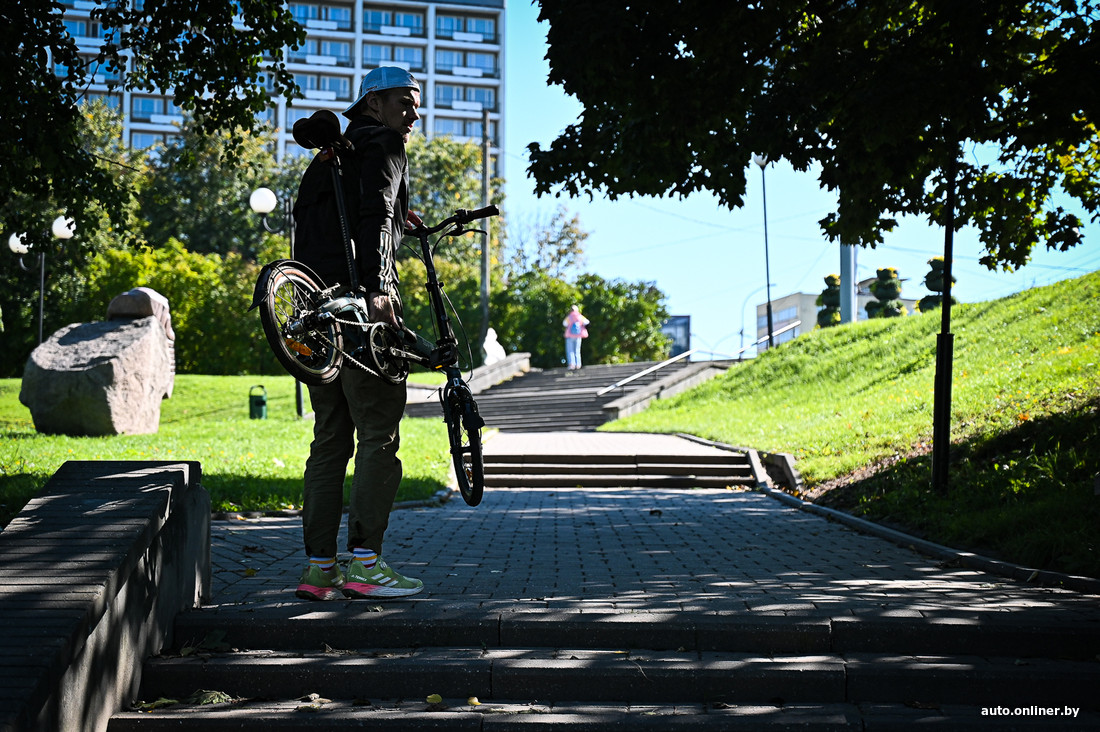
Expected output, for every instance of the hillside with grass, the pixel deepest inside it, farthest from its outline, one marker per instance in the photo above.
(247, 464)
(853, 404)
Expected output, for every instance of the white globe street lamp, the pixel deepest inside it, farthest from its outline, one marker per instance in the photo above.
(62, 228)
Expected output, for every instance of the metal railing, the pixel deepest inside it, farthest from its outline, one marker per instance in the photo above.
(667, 362)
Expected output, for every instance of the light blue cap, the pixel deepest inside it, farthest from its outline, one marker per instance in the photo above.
(384, 77)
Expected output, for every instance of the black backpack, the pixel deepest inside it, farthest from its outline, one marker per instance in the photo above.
(318, 239)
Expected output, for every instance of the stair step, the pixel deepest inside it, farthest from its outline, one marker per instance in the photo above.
(622, 676)
(298, 627)
(458, 714)
(633, 480)
(714, 459)
(492, 467)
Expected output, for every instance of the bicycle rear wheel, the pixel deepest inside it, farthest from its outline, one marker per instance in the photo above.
(464, 425)
(311, 351)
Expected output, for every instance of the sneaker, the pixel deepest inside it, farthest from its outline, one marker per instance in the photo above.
(378, 581)
(319, 584)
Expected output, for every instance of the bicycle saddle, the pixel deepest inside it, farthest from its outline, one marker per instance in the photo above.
(320, 129)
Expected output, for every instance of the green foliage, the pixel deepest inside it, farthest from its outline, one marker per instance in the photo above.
(892, 100)
(100, 130)
(626, 318)
(934, 281)
(527, 317)
(554, 245)
(886, 288)
(208, 53)
(198, 193)
(861, 395)
(209, 296)
(445, 176)
(829, 315)
(247, 464)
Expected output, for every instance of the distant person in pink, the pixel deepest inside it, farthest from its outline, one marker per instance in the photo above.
(575, 332)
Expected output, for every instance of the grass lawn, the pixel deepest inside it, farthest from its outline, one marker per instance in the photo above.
(248, 464)
(853, 404)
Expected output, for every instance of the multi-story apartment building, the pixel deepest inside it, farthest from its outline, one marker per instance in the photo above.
(454, 48)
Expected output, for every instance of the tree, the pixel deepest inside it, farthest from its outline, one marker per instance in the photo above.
(554, 245)
(626, 318)
(199, 195)
(883, 95)
(209, 54)
(100, 133)
(886, 287)
(829, 300)
(935, 281)
(446, 175)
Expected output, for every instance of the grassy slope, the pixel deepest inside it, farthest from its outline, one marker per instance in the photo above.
(854, 406)
(249, 464)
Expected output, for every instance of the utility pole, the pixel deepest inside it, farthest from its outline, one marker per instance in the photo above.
(485, 163)
(945, 351)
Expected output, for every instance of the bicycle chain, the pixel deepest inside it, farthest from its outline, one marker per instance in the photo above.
(347, 355)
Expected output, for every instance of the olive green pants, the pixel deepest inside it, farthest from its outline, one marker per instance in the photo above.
(362, 407)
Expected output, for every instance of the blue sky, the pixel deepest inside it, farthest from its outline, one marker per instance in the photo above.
(710, 260)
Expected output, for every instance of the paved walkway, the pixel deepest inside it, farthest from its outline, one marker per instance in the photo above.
(639, 549)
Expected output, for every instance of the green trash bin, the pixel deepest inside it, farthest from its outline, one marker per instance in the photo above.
(257, 403)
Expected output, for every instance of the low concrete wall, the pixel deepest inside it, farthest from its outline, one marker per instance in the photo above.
(676, 382)
(481, 379)
(92, 573)
(513, 365)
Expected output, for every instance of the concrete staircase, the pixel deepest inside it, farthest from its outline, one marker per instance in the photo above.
(563, 400)
(354, 665)
(609, 470)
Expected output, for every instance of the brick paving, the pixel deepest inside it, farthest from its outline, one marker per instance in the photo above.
(640, 550)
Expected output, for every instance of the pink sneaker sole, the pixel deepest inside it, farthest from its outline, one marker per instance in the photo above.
(310, 592)
(361, 589)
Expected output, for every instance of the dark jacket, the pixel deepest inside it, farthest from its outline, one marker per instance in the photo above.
(376, 198)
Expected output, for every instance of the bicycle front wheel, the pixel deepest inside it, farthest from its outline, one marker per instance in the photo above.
(308, 349)
(464, 425)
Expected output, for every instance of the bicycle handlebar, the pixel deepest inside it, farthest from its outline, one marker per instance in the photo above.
(416, 227)
(463, 216)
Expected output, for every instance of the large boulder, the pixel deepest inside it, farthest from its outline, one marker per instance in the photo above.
(105, 378)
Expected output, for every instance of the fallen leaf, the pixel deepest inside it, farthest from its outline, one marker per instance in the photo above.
(473, 702)
(434, 699)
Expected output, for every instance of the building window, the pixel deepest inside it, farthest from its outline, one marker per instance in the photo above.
(85, 29)
(450, 126)
(314, 50)
(472, 98)
(112, 101)
(145, 109)
(447, 61)
(465, 28)
(324, 86)
(465, 63)
(464, 128)
(293, 114)
(145, 140)
(382, 54)
(396, 22)
(328, 17)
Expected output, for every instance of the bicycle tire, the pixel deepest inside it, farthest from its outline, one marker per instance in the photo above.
(313, 354)
(464, 425)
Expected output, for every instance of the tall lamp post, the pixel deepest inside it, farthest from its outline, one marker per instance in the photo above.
(263, 201)
(745, 304)
(62, 228)
(762, 161)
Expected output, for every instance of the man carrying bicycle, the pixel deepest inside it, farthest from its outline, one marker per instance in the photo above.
(358, 405)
